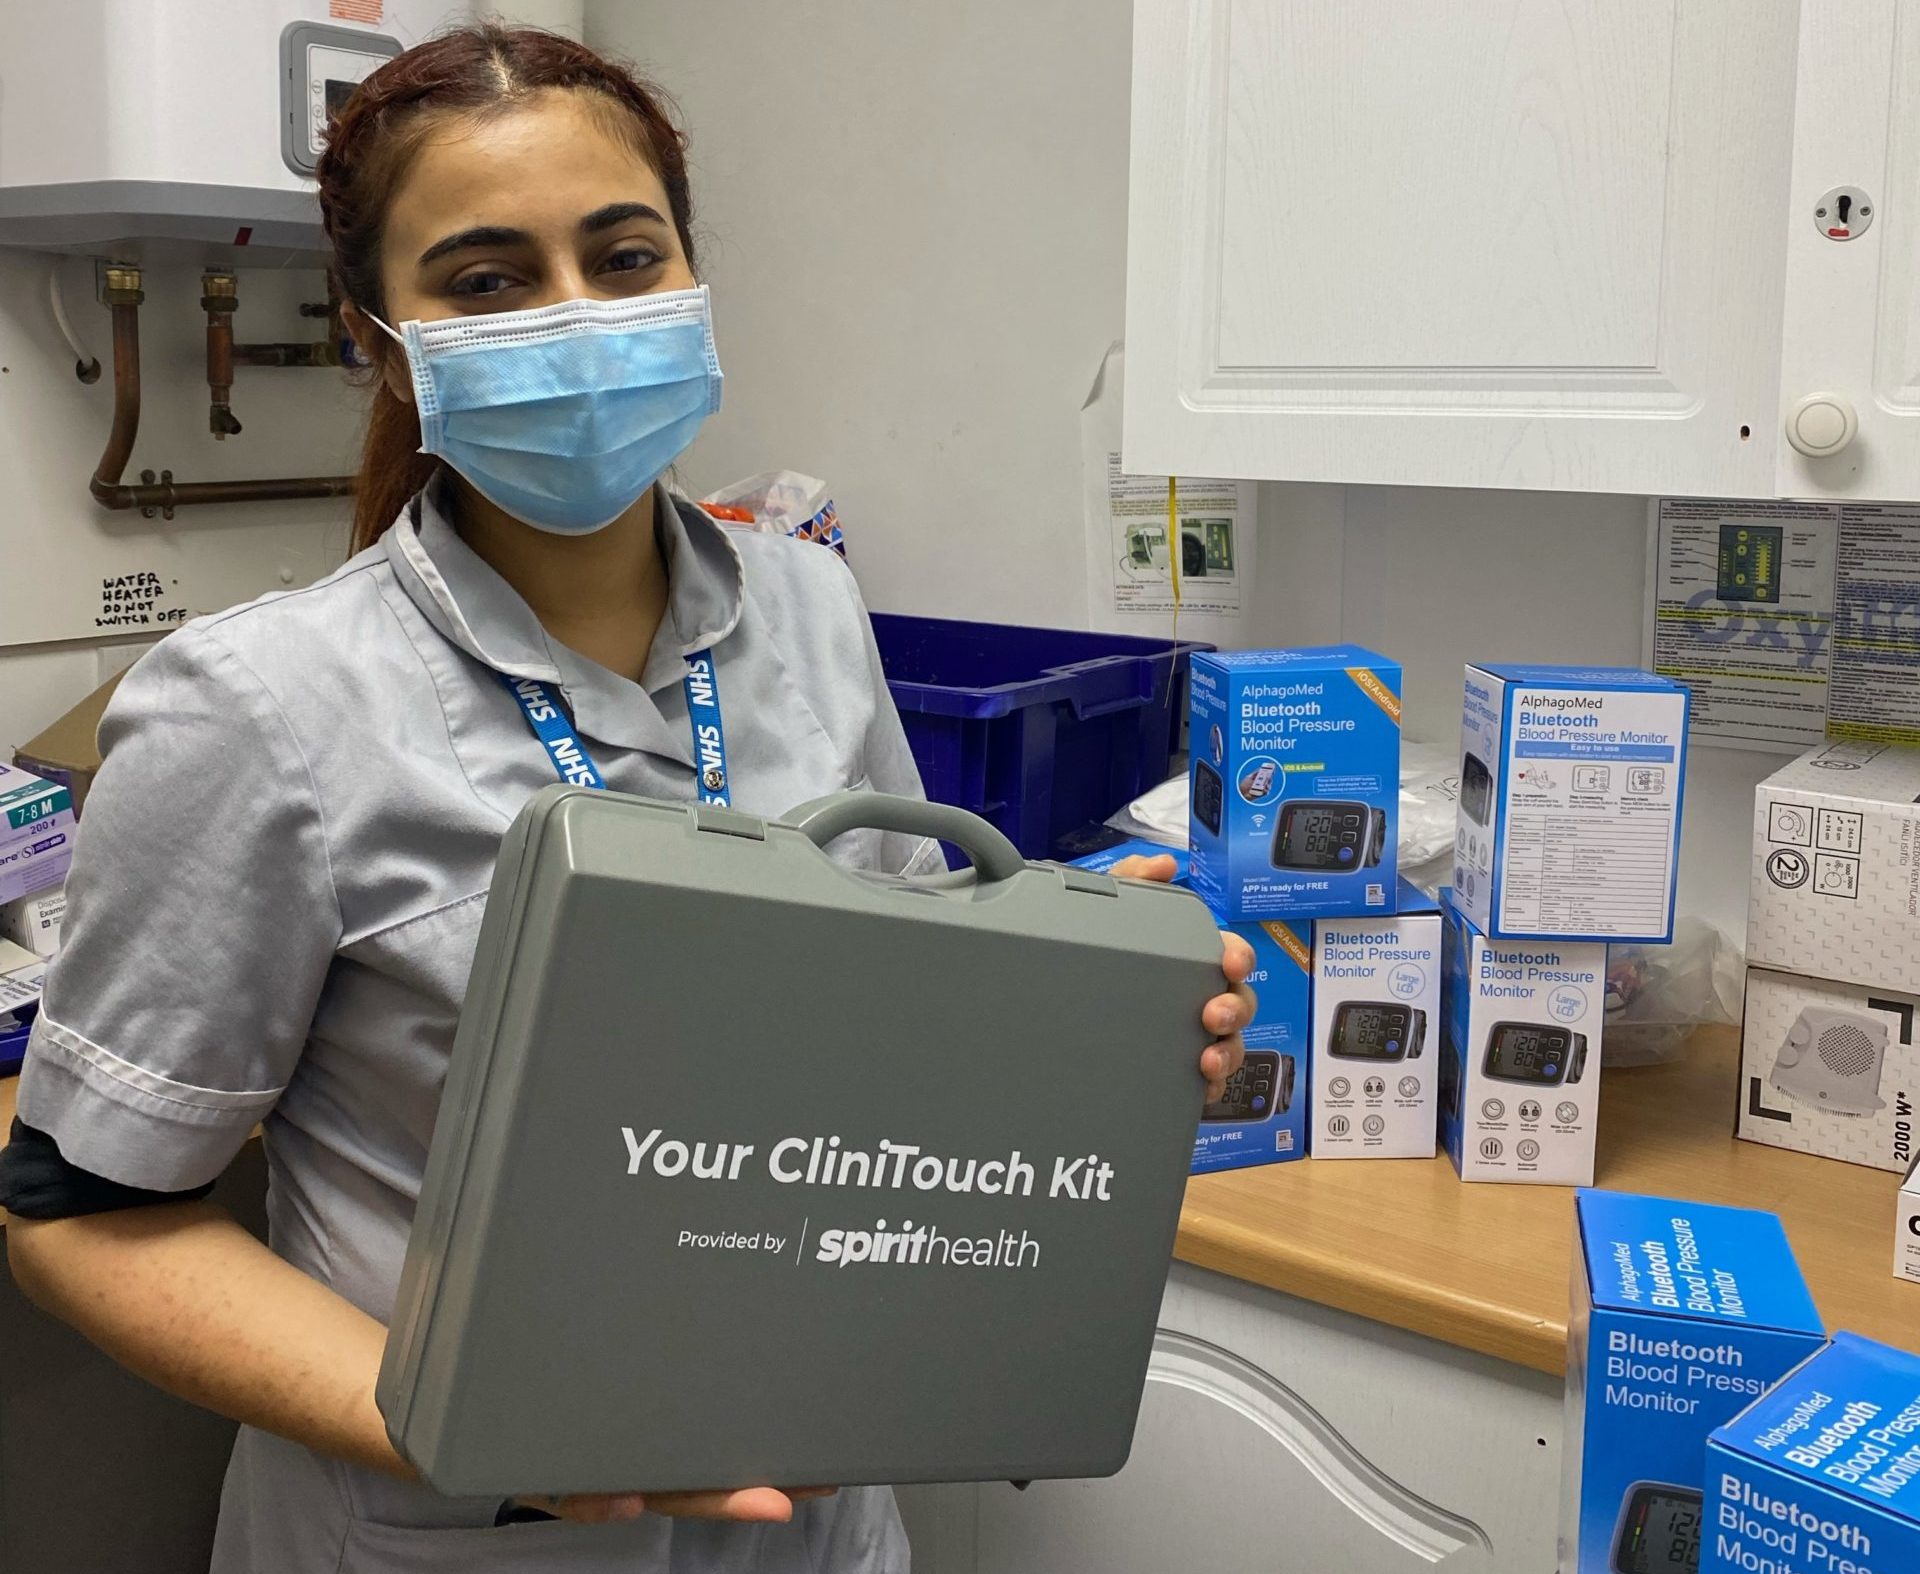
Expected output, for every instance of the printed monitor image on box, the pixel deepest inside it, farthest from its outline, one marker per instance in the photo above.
(1520, 1061)
(1376, 1031)
(1683, 1313)
(1295, 781)
(1829, 1068)
(1571, 780)
(1835, 885)
(1821, 1475)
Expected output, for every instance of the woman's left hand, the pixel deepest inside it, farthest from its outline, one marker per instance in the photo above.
(1224, 1015)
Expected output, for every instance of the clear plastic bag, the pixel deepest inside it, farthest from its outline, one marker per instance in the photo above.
(781, 502)
(1657, 995)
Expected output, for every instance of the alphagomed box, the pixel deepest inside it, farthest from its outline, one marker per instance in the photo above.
(1683, 1313)
(1262, 1119)
(1295, 781)
(1821, 1474)
(1376, 1032)
(1571, 782)
(1520, 1061)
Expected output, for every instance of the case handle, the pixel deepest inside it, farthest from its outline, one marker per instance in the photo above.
(834, 815)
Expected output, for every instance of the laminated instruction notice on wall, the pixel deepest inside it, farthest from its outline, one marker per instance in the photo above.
(1138, 559)
(1874, 690)
(1789, 621)
(1740, 609)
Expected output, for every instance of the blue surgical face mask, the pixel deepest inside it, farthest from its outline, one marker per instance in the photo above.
(564, 415)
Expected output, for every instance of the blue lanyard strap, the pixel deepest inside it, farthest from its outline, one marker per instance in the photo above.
(575, 766)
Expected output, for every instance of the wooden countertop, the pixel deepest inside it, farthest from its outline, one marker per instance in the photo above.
(1487, 1267)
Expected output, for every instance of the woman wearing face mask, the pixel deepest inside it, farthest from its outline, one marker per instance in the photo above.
(321, 780)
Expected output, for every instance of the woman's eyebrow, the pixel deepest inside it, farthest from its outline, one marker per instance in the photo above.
(465, 240)
(617, 213)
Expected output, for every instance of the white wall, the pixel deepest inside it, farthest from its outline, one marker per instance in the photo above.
(915, 225)
(56, 543)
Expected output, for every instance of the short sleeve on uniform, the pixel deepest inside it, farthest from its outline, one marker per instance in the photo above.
(201, 923)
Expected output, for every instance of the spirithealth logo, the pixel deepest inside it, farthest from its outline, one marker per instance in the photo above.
(925, 1245)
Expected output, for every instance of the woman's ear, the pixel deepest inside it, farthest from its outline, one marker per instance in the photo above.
(378, 351)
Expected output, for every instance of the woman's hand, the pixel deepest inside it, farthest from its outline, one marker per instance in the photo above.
(751, 1505)
(1224, 1015)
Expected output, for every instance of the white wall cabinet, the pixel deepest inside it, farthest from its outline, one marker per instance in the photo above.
(1564, 244)
(1279, 1437)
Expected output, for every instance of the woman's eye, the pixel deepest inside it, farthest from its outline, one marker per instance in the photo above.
(478, 284)
(631, 259)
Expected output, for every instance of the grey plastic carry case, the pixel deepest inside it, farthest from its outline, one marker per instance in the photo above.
(753, 1170)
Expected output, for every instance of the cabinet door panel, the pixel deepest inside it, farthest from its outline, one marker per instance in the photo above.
(1493, 243)
(1853, 306)
(1233, 1471)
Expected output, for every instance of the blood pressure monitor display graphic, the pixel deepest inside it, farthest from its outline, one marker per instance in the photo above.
(1328, 834)
(1529, 1052)
(1367, 1030)
(1659, 1531)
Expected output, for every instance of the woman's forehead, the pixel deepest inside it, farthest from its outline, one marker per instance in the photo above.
(551, 159)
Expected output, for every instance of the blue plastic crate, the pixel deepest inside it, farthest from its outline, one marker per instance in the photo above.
(1037, 730)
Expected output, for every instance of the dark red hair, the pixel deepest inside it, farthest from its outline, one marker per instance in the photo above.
(475, 71)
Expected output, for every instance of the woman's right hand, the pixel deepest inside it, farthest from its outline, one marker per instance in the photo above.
(753, 1505)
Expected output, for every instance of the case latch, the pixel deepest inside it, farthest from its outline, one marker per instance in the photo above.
(1086, 880)
(722, 821)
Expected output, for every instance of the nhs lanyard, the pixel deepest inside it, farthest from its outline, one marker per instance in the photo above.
(575, 765)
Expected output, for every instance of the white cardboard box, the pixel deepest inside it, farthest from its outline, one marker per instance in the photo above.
(1906, 1243)
(34, 921)
(1830, 1068)
(1571, 781)
(1376, 1033)
(1520, 1061)
(1835, 880)
(36, 833)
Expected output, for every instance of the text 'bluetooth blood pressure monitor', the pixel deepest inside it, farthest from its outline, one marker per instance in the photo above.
(1296, 793)
(1843, 1493)
(1683, 1314)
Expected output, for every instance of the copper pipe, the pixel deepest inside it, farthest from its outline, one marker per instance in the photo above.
(319, 353)
(220, 298)
(123, 294)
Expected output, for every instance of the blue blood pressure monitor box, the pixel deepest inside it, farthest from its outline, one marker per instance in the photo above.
(1262, 1116)
(1295, 781)
(1376, 1032)
(1821, 1475)
(1570, 791)
(1683, 1314)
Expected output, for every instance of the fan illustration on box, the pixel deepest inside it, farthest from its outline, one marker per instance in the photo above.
(1832, 1060)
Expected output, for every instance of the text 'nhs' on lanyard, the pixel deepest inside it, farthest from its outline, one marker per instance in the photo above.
(569, 755)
